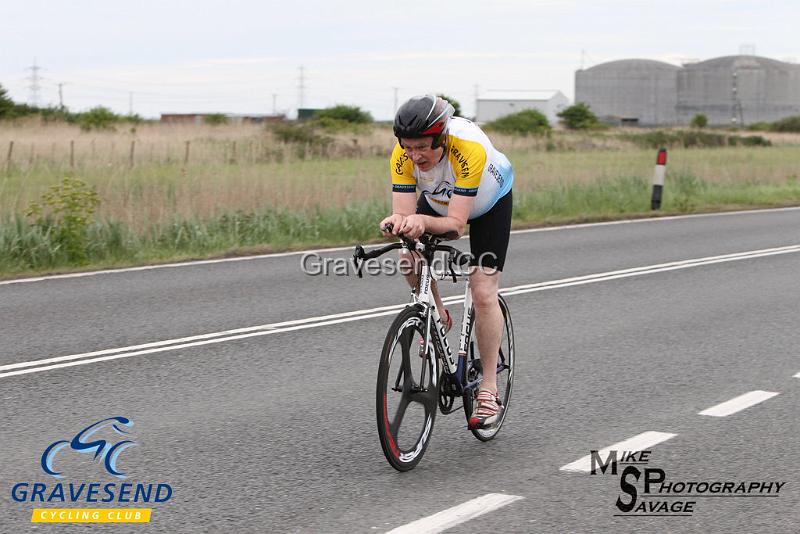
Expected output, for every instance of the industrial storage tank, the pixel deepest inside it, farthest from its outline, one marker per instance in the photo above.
(739, 90)
(630, 91)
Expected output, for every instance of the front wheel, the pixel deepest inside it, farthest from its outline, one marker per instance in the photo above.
(505, 374)
(407, 392)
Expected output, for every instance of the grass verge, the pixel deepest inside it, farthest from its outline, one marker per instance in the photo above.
(27, 249)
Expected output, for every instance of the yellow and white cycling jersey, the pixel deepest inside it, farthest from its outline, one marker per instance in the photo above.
(471, 166)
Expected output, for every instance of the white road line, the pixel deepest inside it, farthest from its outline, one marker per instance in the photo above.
(338, 249)
(655, 219)
(797, 375)
(737, 404)
(650, 269)
(226, 334)
(456, 515)
(71, 360)
(641, 442)
(121, 354)
(167, 266)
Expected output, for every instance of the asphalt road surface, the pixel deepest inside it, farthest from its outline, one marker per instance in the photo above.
(251, 390)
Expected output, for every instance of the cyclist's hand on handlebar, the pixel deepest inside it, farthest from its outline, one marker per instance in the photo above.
(391, 224)
(412, 227)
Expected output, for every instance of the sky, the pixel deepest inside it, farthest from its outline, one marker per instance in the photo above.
(246, 56)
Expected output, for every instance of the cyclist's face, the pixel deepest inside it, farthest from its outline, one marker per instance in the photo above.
(421, 152)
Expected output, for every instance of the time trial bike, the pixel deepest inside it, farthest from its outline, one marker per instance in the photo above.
(418, 372)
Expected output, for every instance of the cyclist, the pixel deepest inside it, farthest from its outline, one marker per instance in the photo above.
(462, 179)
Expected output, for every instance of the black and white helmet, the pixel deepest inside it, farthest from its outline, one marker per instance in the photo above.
(423, 116)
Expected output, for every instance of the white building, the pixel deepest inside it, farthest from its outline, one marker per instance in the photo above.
(498, 104)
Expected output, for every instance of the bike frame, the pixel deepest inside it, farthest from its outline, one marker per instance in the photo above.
(455, 367)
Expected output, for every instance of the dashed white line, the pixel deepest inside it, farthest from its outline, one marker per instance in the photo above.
(71, 360)
(797, 375)
(637, 443)
(738, 404)
(458, 514)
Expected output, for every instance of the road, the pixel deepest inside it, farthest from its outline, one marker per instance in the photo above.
(260, 421)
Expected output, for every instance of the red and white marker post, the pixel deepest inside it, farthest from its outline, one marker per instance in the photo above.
(658, 179)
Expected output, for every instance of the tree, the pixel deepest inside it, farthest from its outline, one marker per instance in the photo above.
(579, 117)
(456, 105)
(526, 122)
(699, 121)
(6, 104)
(789, 124)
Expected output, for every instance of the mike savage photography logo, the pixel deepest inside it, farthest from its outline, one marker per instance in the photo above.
(124, 500)
(647, 491)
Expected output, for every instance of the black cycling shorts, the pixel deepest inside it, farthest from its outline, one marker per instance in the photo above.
(488, 234)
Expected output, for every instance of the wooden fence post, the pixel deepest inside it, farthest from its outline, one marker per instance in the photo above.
(71, 154)
(133, 148)
(8, 158)
(186, 154)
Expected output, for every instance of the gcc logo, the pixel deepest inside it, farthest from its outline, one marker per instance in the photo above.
(101, 448)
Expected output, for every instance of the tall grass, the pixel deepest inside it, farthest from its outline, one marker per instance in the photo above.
(26, 248)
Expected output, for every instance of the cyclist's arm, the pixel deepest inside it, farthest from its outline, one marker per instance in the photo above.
(456, 219)
(404, 204)
(404, 189)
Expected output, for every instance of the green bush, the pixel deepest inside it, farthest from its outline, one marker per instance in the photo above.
(98, 118)
(453, 102)
(702, 139)
(215, 119)
(699, 121)
(338, 125)
(789, 124)
(762, 126)
(752, 140)
(692, 139)
(289, 132)
(341, 112)
(63, 215)
(652, 139)
(527, 122)
(579, 117)
(304, 137)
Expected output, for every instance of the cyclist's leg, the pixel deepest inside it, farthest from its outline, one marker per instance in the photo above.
(488, 322)
(410, 267)
(410, 263)
(489, 235)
